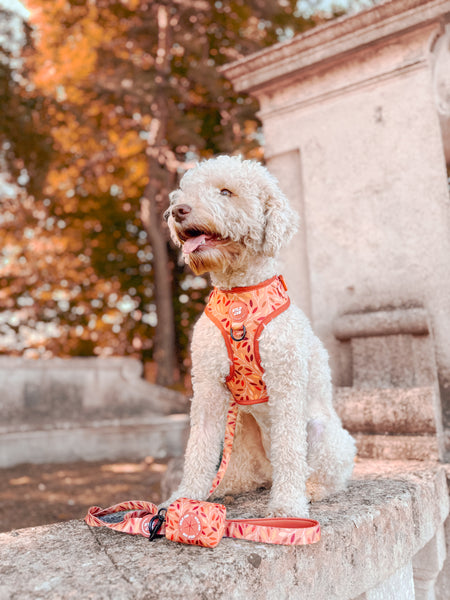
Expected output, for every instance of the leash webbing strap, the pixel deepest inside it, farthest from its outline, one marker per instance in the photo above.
(278, 530)
(230, 429)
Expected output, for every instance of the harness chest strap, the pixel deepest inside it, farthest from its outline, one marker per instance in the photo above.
(241, 314)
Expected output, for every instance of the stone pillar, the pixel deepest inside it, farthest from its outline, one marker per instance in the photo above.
(427, 565)
(355, 117)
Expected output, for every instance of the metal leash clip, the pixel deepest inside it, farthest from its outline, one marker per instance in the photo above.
(156, 523)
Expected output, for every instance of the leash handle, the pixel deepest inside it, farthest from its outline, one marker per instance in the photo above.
(132, 517)
(277, 530)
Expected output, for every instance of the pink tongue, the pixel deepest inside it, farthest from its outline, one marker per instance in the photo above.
(192, 244)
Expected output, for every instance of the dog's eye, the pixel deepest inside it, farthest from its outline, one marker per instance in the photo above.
(225, 192)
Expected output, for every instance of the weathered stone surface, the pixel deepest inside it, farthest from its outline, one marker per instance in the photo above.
(81, 389)
(441, 86)
(393, 361)
(398, 447)
(391, 349)
(394, 410)
(383, 322)
(427, 565)
(442, 585)
(399, 586)
(133, 438)
(369, 535)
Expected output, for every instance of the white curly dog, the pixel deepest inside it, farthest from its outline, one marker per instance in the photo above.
(231, 219)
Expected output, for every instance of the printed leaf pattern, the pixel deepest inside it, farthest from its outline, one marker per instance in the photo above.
(260, 304)
(303, 531)
(135, 521)
(209, 524)
(227, 445)
(209, 517)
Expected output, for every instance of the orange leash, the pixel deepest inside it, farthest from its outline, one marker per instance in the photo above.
(230, 429)
(200, 523)
(203, 523)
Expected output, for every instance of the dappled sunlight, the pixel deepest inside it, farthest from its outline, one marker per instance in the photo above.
(41, 494)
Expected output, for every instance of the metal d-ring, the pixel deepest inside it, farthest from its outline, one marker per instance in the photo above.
(244, 333)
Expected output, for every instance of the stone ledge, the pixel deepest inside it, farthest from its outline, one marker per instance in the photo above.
(412, 321)
(387, 410)
(331, 41)
(369, 536)
(38, 391)
(60, 410)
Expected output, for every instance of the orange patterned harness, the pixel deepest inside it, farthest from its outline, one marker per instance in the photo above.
(241, 315)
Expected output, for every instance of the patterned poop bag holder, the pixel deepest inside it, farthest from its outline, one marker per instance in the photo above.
(203, 523)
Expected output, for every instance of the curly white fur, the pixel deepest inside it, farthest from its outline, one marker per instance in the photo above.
(231, 218)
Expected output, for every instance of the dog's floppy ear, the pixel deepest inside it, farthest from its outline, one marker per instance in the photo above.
(281, 220)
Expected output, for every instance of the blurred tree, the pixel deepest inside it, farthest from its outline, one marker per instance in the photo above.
(25, 152)
(131, 95)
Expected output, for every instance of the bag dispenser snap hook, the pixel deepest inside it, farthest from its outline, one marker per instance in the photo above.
(156, 523)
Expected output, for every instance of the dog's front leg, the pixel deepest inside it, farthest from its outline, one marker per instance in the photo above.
(286, 376)
(210, 403)
(288, 455)
(202, 458)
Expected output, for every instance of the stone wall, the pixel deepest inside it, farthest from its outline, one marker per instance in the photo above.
(59, 410)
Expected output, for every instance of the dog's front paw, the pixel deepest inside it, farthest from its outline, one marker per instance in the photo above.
(299, 509)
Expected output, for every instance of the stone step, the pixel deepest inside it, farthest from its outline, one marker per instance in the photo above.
(398, 447)
(389, 348)
(393, 423)
(66, 441)
(387, 410)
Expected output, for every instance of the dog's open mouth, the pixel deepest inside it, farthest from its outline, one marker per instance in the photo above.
(193, 239)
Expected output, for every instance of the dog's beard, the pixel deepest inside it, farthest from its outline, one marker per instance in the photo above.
(213, 259)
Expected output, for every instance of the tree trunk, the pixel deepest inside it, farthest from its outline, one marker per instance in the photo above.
(164, 351)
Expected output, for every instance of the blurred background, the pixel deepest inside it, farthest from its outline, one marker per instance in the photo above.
(103, 106)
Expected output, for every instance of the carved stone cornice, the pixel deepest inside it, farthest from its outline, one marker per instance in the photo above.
(333, 42)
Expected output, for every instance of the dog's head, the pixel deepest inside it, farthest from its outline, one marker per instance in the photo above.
(226, 211)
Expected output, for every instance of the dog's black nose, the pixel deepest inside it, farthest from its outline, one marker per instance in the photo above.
(180, 212)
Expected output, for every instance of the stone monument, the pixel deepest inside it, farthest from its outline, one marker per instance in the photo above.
(356, 117)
